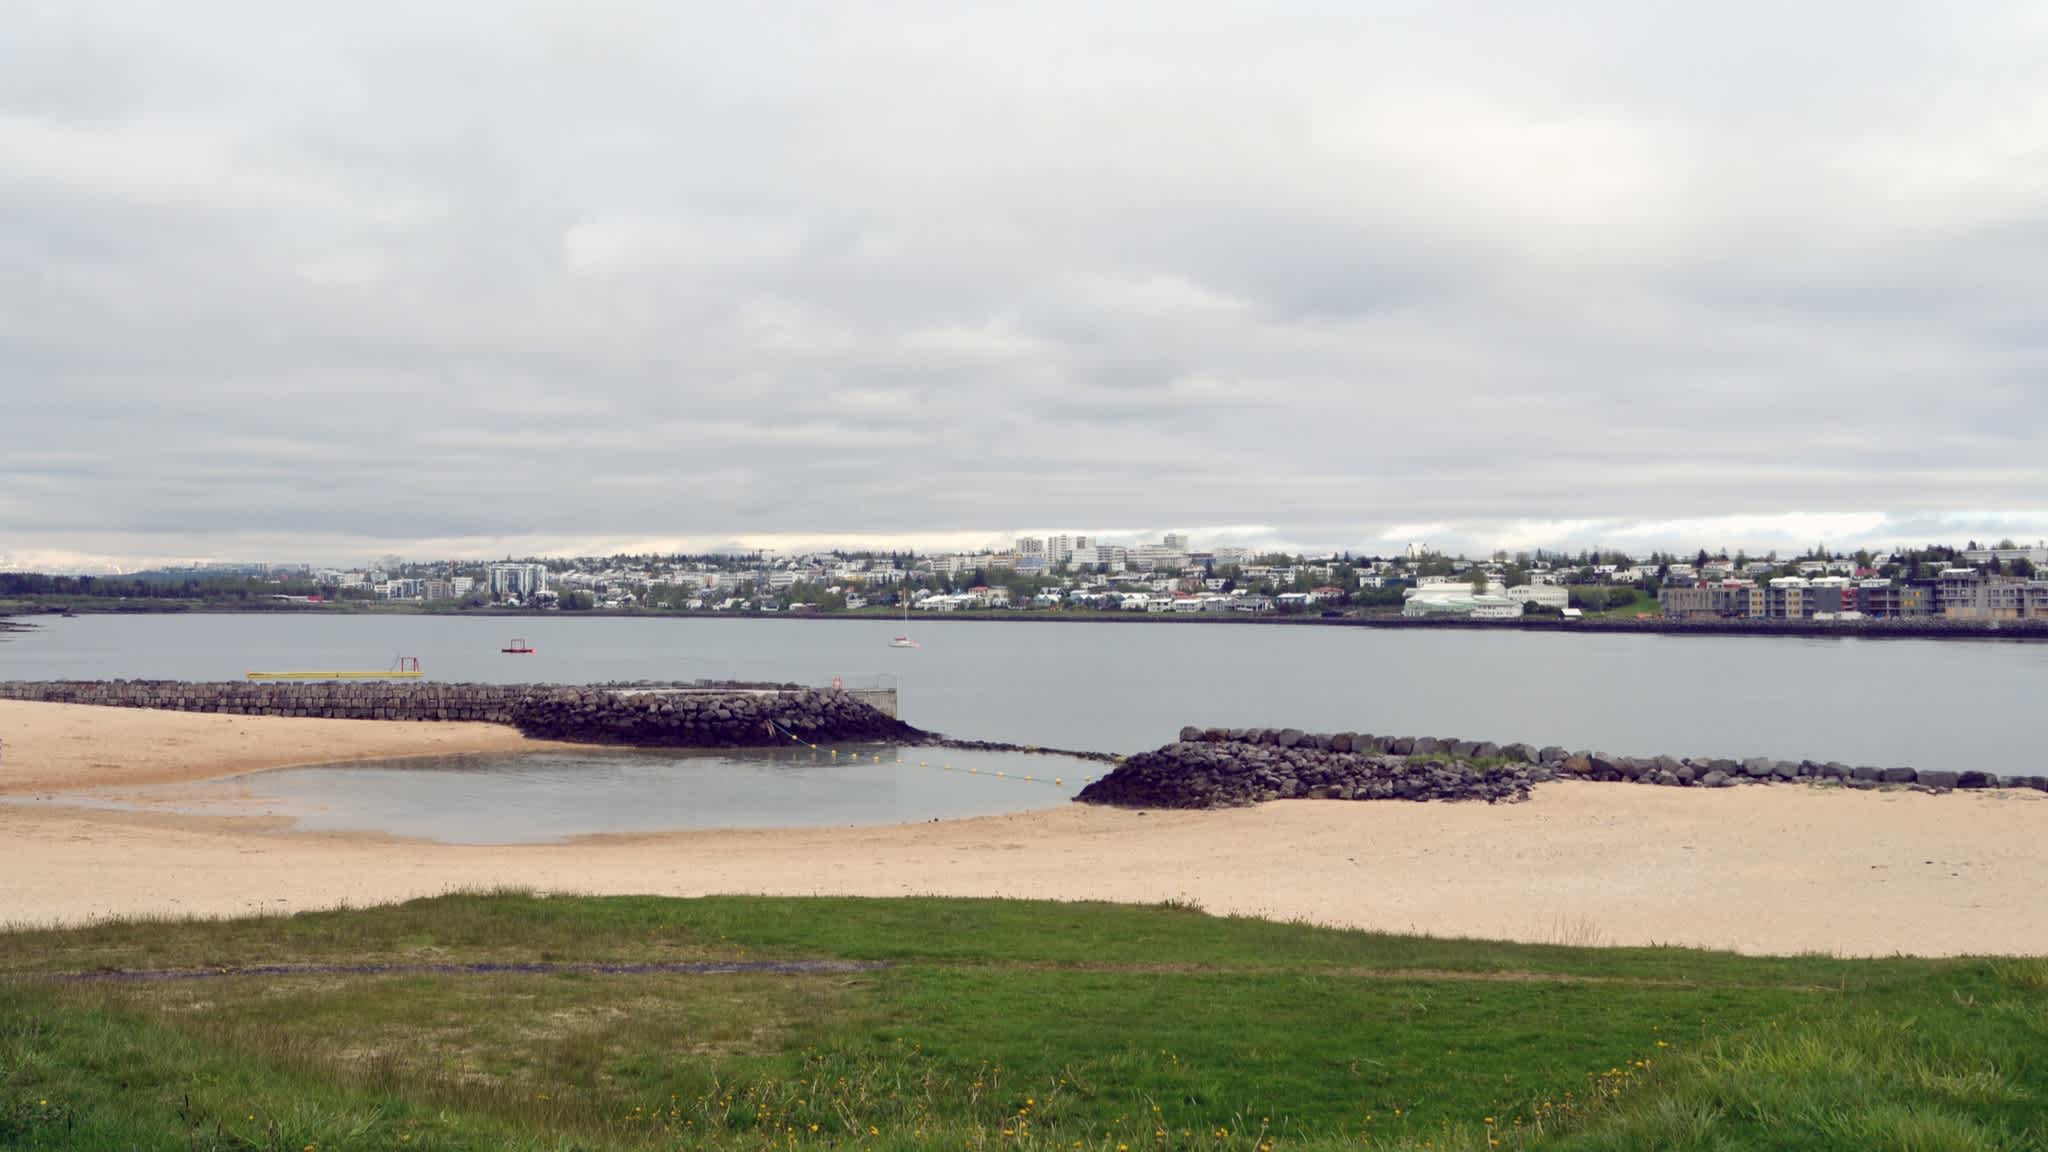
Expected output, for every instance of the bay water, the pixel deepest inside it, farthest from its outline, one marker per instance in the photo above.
(1125, 687)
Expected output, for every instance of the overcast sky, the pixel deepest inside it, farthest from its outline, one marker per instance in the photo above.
(468, 279)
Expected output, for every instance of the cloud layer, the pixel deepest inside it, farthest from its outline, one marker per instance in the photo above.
(493, 277)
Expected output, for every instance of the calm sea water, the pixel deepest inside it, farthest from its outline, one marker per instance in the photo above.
(552, 796)
(1127, 687)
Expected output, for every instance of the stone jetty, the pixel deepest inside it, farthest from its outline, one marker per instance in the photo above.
(1218, 767)
(676, 715)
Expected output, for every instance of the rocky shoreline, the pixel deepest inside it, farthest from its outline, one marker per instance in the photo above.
(1224, 768)
(653, 715)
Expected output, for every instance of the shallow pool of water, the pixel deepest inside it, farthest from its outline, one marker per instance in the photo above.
(548, 797)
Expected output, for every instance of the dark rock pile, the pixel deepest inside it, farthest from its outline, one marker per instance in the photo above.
(1217, 767)
(670, 719)
(1220, 769)
(654, 715)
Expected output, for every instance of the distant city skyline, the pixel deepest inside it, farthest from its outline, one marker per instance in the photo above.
(1631, 539)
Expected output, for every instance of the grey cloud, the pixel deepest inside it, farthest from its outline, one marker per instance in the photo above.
(389, 276)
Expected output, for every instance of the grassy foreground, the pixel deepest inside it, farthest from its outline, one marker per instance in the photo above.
(995, 1025)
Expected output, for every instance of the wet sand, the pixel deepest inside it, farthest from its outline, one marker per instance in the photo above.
(1758, 869)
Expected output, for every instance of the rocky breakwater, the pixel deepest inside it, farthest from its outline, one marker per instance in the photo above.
(690, 718)
(1223, 768)
(653, 715)
(1216, 767)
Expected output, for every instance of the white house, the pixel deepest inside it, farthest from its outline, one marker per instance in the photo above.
(1546, 595)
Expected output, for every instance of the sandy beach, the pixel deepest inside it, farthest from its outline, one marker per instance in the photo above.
(1760, 869)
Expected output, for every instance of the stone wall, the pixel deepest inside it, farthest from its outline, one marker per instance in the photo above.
(1216, 767)
(659, 715)
(701, 719)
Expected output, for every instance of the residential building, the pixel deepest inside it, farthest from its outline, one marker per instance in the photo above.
(1458, 599)
(1970, 594)
(520, 580)
(2037, 555)
(1159, 558)
(1545, 595)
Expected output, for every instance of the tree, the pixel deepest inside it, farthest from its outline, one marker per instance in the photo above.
(1478, 581)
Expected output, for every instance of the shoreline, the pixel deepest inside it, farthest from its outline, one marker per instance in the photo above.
(1758, 870)
(1932, 628)
(52, 748)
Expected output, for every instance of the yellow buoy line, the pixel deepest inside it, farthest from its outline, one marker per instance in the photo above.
(855, 758)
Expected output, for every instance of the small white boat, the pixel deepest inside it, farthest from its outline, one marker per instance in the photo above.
(904, 641)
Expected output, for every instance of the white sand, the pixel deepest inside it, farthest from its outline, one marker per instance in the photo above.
(1758, 869)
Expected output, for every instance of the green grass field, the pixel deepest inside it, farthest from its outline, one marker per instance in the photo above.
(992, 1025)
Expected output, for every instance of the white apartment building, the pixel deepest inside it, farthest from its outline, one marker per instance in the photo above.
(1545, 595)
(1159, 558)
(523, 580)
(2037, 555)
(1065, 549)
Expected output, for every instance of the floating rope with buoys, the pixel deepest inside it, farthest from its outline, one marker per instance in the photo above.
(852, 757)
